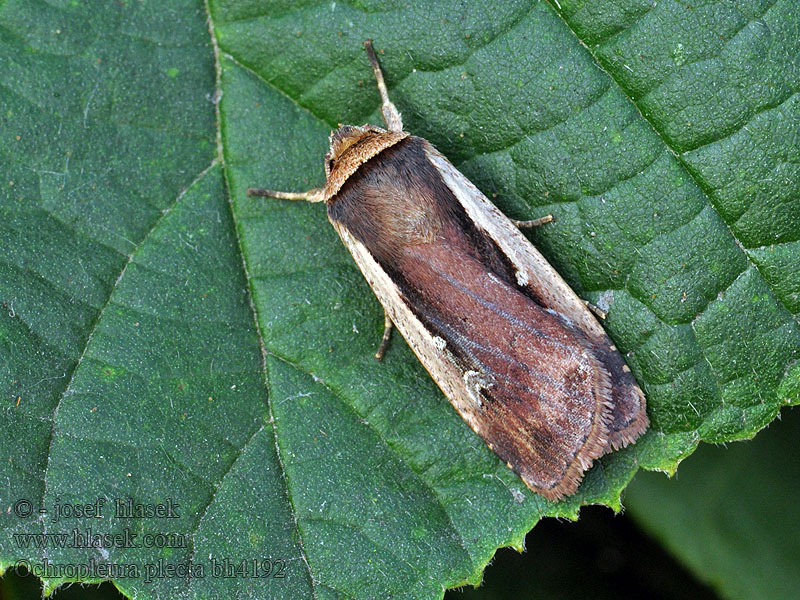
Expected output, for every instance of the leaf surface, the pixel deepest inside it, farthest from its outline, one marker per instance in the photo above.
(165, 338)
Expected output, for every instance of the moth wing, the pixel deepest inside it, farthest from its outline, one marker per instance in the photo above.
(448, 375)
(549, 439)
(629, 418)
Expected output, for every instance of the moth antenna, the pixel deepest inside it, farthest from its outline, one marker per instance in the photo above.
(314, 195)
(390, 113)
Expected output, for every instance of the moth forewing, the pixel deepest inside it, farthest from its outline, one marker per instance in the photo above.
(433, 355)
(520, 375)
(629, 419)
(513, 348)
(462, 386)
(532, 268)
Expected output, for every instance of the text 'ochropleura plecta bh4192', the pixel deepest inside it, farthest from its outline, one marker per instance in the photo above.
(515, 350)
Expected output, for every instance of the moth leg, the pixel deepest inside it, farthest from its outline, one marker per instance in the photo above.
(599, 312)
(533, 222)
(548, 219)
(390, 113)
(313, 195)
(387, 334)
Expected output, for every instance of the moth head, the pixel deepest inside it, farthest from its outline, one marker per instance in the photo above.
(344, 139)
(351, 147)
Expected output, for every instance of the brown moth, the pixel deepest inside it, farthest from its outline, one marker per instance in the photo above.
(515, 350)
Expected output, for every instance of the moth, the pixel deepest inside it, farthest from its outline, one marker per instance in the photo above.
(518, 354)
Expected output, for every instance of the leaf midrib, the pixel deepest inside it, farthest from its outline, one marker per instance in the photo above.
(264, 372)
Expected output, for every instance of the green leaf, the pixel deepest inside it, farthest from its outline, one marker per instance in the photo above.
(165, 338)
